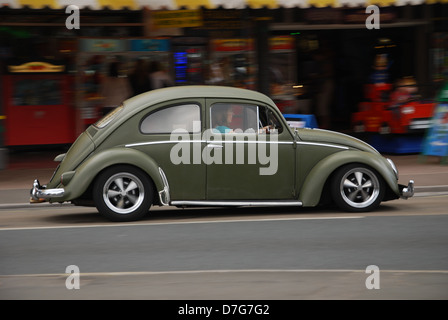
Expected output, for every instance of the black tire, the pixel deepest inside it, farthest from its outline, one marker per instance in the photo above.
(123, 193)
(357, 188)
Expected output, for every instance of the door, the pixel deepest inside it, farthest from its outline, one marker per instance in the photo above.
(248, 153)
(171, 136)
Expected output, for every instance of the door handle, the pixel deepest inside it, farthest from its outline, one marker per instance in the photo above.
(211, 145)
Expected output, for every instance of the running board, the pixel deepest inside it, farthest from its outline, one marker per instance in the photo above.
(233, 203)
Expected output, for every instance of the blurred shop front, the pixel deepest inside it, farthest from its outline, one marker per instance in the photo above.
(93, 61)
(272, 46)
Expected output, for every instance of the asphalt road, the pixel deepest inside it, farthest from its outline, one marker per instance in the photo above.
(244, 253)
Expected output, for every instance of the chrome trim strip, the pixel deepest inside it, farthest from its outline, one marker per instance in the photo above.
(250, 141)
(164, 195)
(139, 144)
(346, 135)
(322, 145)
(212, 145)
(223, 203)
(394, 167)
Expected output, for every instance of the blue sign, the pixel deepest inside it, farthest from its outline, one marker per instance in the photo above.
(436, 143)
(150, 45)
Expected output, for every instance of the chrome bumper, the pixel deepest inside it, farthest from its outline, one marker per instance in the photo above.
(407, 191)
(40, 194)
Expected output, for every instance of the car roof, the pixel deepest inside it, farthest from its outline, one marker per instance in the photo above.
(153, 97)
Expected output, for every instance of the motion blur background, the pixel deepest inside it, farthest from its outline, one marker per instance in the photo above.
(310, 56)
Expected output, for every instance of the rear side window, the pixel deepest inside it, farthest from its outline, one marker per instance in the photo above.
(167, 120)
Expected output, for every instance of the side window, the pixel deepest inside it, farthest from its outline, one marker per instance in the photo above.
(234, 117)
(167, 120)
(269, 122)
(237, 118)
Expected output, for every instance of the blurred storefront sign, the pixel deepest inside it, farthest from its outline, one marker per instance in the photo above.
(176, 19)
(103, 45)
(150, 45)
(36, 66)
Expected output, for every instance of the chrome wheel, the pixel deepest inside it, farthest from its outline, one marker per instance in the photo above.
(359, 187)
(123, 193)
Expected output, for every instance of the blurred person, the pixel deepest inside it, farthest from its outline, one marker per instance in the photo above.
(222, 117)
(324, 87)
(405, 91)
(159, 77)
(139, 79)
(114, 88)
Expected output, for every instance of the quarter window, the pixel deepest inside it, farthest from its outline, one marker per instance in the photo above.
(167, 120)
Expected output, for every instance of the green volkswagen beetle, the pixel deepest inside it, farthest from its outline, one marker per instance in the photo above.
(214, 146)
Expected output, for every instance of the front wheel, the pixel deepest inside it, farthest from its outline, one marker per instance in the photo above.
(357, 188)
(123, 193)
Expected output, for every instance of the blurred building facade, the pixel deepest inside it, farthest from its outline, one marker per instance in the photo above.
(310, 56)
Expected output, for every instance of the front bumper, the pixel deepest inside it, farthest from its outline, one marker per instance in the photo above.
(407, 191)
(39, 194)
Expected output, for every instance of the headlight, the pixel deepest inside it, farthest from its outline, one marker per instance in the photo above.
(392, 164)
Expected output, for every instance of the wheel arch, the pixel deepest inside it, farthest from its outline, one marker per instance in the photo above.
(90, 169)
(320, 175)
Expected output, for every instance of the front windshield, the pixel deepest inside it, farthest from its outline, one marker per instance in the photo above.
(104, 121)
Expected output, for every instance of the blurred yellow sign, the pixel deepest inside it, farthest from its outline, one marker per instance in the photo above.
(36, 66)
(177, 19)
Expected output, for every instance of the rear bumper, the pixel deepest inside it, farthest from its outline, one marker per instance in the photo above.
(407, 191)
(38, 193)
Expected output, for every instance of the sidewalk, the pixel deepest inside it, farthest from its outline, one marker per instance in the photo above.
(430, 176)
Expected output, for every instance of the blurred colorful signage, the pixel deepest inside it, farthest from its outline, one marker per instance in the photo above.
(36, 66)
(436, 143)
(103, 45)
(176, 19)
(281, 43)
(233, 45)
(150, 45)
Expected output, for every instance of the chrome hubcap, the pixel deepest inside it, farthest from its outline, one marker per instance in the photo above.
(123, 193)
(359, 187)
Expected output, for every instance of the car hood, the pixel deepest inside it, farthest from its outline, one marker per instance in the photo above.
(326, 136)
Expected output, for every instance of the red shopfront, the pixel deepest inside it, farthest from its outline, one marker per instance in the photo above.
(38, 104)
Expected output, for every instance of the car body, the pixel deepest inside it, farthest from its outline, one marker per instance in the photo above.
(380, 115)
(162, 148)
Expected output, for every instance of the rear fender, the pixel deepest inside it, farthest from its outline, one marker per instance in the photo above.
(89, 169)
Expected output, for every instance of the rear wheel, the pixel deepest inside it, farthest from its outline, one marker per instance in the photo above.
(123, 193)
(357, 188)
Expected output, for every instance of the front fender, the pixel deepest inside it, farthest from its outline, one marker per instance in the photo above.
(89, 169)
(312, 187)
